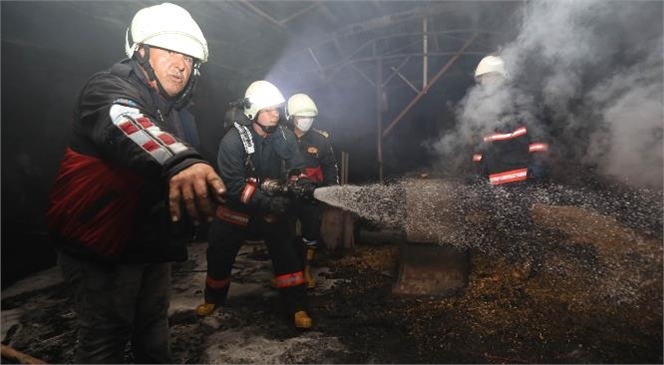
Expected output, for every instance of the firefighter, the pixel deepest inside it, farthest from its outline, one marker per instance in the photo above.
(511, 153)
(132, 151)
(255, 149)
(511, 156)
(321, 168)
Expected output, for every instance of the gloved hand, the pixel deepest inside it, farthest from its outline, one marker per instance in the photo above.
(278, 205)
(303, 189)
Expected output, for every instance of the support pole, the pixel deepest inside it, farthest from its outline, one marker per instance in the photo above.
(424, 91)
(425, 54)
(379, 116)
(344, 168)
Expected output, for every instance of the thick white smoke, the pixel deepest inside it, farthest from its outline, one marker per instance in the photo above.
(589, 73)
(631, 106)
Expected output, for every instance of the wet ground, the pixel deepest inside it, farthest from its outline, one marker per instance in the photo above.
(594, 297)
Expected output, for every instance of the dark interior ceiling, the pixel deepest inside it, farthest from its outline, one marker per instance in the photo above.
(330, 49)
(309, 41)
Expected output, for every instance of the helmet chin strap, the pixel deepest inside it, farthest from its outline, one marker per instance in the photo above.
(268, 130)
(144, 61)
(184, 97)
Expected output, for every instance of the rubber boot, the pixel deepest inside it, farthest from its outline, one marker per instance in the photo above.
(302, 320)
(308, 278)
(205, 309)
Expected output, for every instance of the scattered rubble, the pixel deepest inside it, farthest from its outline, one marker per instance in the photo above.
(587, 300)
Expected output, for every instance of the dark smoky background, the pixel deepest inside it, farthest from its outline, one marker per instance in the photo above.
(589, 73)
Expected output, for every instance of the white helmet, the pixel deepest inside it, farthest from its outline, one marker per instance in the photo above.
(491, 64)
(167, 26)
(260, 95)
(301, 105)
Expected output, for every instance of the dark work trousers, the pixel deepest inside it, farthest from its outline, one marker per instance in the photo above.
(225, 240)
(119, 303)
(310, 215)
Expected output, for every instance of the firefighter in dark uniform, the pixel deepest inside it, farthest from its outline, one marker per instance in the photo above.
(256, 149)
(510, 157)
(321, 168)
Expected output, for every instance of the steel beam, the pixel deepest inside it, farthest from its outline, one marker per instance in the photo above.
(417, 97)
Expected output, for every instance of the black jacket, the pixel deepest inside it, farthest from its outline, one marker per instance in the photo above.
(512, 153)
(320, 163)
(275, 155)
(109, 200)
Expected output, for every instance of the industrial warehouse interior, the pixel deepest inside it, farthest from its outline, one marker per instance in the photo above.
(421, 258)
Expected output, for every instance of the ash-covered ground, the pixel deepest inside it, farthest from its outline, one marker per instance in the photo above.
(591, 294)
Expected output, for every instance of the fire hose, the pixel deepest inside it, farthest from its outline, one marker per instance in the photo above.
(293, 189)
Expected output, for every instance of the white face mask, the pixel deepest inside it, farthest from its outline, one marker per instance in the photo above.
(491, 81)
(304, 124)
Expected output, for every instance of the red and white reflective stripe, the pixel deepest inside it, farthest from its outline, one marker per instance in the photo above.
(508, 176)
(284, 281)
(538, 147)
(503, 136)
(248, 191)
(140, 129)
(231, 216)
(477, 157)
(217, 284)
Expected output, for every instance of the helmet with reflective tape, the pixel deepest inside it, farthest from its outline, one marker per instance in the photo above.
(261, 95)
(491, 64)
(167, 26)
(301, 105)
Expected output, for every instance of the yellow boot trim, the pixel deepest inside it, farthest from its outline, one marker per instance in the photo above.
(302, 320)
(205, 309)
(311, 252)
(309, 278)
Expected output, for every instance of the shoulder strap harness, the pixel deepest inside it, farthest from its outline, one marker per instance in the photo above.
(248, 143)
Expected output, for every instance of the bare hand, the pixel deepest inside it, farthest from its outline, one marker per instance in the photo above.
(199, 187)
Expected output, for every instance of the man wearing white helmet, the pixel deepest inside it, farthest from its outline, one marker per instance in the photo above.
(509, 157)
(510, 153)
(321, 168)
(115, 212)
(257, 149)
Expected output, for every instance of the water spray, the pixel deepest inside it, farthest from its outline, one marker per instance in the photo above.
(612, 236)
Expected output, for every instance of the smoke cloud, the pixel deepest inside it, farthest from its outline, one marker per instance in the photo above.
(589, 74)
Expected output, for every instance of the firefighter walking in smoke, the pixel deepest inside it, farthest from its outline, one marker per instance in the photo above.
(510, 156)
(257, 149)
(321, 169)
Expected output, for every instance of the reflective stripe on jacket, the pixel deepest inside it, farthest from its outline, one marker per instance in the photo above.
(505, 155)
(109, 199)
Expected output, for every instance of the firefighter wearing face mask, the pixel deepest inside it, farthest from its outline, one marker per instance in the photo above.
(321, 168)
(255, 149)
